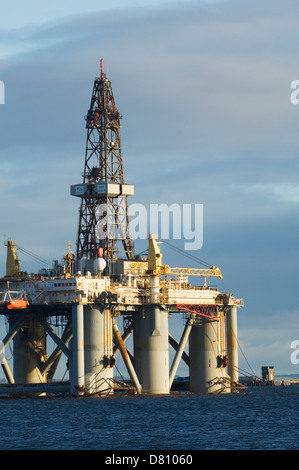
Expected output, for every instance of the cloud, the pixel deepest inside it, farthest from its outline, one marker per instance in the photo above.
(192, 85)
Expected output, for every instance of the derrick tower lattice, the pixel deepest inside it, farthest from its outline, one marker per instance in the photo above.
(103, 215)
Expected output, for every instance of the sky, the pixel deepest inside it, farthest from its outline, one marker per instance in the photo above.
(204, 88)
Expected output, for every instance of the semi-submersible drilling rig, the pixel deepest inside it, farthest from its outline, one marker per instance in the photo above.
(80, 304)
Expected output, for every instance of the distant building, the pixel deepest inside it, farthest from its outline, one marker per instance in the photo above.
(268, 373)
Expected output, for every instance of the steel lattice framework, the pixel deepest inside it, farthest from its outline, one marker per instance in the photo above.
(103, 215)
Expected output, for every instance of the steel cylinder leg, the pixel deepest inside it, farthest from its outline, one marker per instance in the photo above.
(151, 350)
(77, 366)
(206, 371)
(232, 344)
(29, 353)
(98, 350)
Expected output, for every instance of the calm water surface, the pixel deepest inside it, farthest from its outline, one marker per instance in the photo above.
(261, 418)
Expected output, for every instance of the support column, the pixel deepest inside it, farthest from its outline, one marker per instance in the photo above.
(151, 350)
(232, 344)
(98, 350)
(206, 371)
(29, 352)
(77, 366)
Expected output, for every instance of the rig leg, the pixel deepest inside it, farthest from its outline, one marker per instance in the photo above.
(77, 366)
(206, 373)
(232, 344)
(151, 350)
(98, 350)
(30, 352)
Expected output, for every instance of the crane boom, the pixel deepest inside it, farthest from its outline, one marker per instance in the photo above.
(156, 267)
(212, 272)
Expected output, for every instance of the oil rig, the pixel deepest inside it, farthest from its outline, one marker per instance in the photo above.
(79, 305)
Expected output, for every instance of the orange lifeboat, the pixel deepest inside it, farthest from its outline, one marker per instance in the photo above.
(14, 300)
(16, 304)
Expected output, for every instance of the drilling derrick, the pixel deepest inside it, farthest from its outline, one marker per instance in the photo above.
(103, 217)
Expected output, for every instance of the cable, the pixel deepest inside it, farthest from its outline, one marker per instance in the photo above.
(182, 252)
(188, 255)
(32, 255)
(244, 356)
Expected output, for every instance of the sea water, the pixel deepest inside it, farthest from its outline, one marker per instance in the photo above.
(259, 418)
